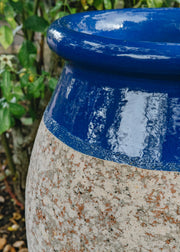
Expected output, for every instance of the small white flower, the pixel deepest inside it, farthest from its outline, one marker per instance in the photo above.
(6, 60)
(13, 100)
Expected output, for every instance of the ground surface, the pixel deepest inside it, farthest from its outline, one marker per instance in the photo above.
(12, 220)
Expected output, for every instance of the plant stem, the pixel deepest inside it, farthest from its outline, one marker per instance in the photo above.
(138, 4)
(13, 196)
(23, 20)
(8, 152)
(41, 53)
(36, 5)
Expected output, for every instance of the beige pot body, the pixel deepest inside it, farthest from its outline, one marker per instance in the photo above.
(76, 202)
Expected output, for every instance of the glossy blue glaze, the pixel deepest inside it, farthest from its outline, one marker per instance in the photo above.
(118, 97)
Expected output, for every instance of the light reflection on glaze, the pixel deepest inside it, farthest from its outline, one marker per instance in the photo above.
(104, 22)
(97, 121)
(142, 118)
(133, 120)
(135, 56)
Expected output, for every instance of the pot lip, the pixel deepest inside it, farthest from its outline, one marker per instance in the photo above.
(123, 56)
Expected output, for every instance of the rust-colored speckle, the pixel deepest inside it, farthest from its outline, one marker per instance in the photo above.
(80, 209)
(53, 149)
(163, 177)
(40, 214)
(55, 201)
(85, 239)
(172, 189)
(149, 234)
(72, 232)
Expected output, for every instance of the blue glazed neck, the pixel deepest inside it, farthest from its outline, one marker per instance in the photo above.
(119, 93)
(127, 41)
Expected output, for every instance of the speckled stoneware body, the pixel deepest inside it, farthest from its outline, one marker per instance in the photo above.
(105, 168)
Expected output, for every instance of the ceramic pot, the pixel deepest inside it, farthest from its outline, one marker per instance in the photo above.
(104, 173)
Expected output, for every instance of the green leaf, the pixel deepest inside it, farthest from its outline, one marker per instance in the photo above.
(35, 23)
(27, 120)
(52, 83)
(107, 4)
(56, 8)
(17, 110)
(11, 21)
(37, 87)
(29, 7)
(6, 84)
(9, 15)
(5, 119)
(90, 2)
(73, 10)
(98, 4)
(27, 54)
(6, 36)
(154, 3)
(2, 6)
(61, 14)
(17, 91)
(24, 80)
(17, 6)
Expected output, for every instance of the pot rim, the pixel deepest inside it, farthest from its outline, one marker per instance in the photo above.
(159, 59)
